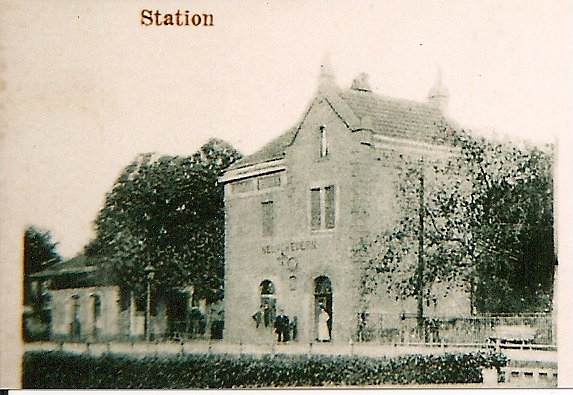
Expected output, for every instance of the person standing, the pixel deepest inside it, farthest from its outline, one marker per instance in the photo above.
(294, 328)
(282, 327)
(362, 326)
(267, 314)
(323, 332)
(258, 316)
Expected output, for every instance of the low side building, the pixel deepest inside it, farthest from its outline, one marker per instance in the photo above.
(83, 301)
(86, 304)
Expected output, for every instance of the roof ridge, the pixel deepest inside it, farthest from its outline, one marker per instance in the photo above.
(359, 110)
(388, 98)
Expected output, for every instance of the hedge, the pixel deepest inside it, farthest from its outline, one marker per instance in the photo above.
(57, 369)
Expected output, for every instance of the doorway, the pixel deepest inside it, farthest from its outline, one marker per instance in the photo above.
(96, 315)
(323, 309)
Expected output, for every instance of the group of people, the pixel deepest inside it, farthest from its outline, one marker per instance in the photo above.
(285, 329)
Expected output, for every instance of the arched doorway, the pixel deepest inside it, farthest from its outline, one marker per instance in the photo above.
(323, 308)
(268, 302)
(96, 314)
(75, 327)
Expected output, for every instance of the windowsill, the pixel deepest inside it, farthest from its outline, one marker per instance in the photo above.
(322, 231)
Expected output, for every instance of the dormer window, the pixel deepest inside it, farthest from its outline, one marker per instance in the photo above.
(323, 142)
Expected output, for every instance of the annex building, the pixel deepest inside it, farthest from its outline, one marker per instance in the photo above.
(297, 209)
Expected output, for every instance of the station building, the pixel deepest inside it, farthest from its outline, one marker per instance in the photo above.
(297, 209)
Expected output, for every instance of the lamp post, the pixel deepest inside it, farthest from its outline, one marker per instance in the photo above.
(420, 269)
(150, 273)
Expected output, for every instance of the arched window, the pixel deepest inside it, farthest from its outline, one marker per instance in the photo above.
(267, 288)
(268, 302)
(322, 286)
(292, 282)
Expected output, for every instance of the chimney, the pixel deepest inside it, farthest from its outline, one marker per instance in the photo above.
(361, 84)
(326, 78)
(438, 96)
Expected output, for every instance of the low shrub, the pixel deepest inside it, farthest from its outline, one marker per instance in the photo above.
(62, 370)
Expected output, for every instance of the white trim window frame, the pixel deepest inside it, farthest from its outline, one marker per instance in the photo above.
(323, 141)
(323, 208)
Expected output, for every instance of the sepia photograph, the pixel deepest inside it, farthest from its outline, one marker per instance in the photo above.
(285, 195)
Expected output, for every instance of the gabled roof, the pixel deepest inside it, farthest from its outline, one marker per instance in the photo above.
(273, 150)
(78, 272)
(76, 265)
(398, 118)
(359, 109)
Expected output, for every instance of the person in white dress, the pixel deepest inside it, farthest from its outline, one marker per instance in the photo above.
(323, 317)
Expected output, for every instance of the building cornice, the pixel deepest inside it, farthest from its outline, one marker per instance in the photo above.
(418, 147)
(255, 170)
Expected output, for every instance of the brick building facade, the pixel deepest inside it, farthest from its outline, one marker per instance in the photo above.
(297, 209)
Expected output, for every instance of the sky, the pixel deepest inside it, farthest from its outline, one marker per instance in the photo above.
(89, 87)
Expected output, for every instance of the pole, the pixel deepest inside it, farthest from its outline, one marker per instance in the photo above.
(420, 271)
(148, 311)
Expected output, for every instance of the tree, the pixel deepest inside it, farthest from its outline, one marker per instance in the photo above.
(481, 220)
(514, 263)
(167, 212)
(426, 245)
(39, 253)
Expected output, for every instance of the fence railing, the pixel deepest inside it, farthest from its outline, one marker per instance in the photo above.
(505, 329)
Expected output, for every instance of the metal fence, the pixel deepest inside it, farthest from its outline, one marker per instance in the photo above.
(505, 329)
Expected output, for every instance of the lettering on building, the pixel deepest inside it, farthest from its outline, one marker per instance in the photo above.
(291, 246)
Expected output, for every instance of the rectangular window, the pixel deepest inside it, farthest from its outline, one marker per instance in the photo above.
(323, 142)
(329, 207)
(268, 218)
(315, 209)
(322, 208)
(269, 181)
(242, 186)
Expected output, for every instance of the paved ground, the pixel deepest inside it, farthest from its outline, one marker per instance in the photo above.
(219, 347)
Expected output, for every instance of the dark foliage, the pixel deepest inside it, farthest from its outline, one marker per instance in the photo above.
(167, 212)
(39, 254)
(60, 370)
(484, 218)
(39, 250)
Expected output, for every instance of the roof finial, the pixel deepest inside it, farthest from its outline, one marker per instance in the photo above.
(326, 78)
(438, 96)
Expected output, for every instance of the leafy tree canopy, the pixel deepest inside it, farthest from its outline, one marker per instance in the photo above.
(486, 225)
(167, 212)
(39, 253)
(39, 250)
